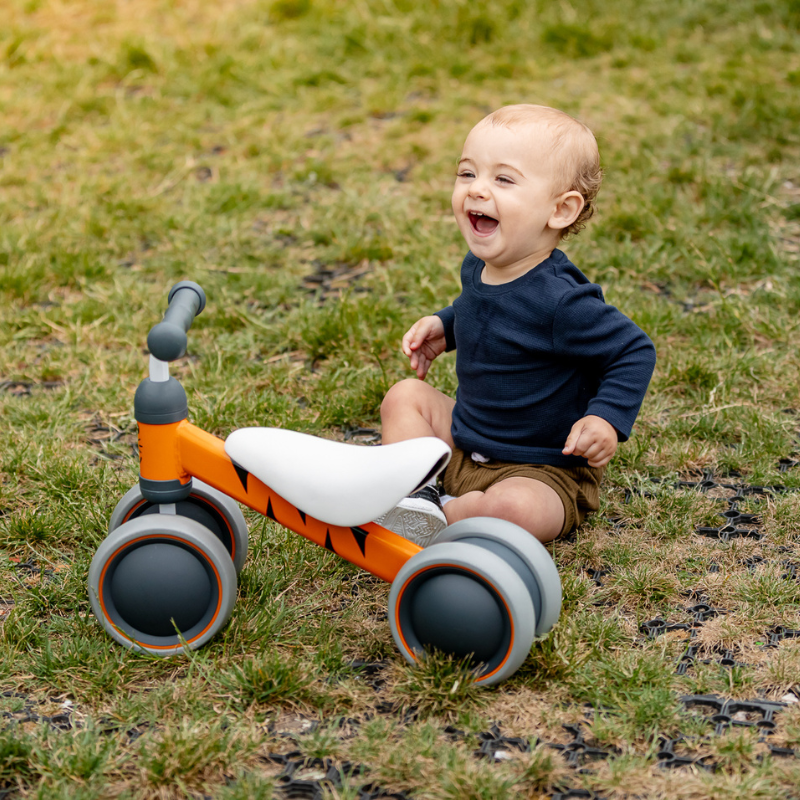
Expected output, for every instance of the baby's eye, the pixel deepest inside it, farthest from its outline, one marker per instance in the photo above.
(504, 179)
(465, 173)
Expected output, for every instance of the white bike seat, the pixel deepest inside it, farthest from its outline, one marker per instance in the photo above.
(341, 484)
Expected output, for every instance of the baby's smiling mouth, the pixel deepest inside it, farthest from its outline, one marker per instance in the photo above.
(482, 224)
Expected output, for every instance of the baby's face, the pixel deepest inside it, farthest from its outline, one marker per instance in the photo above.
(505, 193)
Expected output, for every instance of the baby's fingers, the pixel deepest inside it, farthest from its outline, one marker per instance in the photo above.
(420, 363)
(594, 452)
(408, 341)
(599, 451)
(415, 338)
(571, 446)
(599, 460)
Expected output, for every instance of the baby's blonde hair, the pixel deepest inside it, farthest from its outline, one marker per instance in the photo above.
(577, 165)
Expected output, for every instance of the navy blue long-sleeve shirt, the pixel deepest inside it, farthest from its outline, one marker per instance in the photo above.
(537, 354)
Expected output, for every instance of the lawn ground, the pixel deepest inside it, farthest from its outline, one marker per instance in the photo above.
(296, 158)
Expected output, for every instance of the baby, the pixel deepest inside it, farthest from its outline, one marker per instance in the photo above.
(550, 378)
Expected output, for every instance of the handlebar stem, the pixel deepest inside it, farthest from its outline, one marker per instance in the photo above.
(159, 370)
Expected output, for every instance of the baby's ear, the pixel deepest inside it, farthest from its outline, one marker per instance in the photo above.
(568, 206)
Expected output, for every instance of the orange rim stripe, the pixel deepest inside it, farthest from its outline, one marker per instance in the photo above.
(484, 580)
(144, 539)
(130, 513)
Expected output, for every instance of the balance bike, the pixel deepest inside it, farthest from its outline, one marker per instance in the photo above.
(165, 577)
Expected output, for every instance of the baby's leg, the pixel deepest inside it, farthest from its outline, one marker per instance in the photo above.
(412, 409)
(529, 503)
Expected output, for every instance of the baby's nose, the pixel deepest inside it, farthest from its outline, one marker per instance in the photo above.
(478, 188)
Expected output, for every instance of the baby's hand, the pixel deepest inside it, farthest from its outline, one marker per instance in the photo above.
(423, 342)
(594, 439)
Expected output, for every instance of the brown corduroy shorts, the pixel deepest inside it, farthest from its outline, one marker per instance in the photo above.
(578, 487)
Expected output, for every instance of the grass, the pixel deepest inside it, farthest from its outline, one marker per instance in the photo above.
(295, 157)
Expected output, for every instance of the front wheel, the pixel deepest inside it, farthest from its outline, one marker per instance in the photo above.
(160, 583)
(522, 551)
(206, 505)
(465, 601)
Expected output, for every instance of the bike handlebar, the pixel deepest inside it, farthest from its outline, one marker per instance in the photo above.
(167, 340)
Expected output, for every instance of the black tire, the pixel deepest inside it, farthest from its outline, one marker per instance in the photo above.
(206, 505)
(162, 583)
(464, 600)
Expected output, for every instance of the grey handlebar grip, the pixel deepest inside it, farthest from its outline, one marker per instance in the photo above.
(167, 340)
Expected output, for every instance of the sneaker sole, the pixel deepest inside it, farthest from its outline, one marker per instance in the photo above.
(416, 526)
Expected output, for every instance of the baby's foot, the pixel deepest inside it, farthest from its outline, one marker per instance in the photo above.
(418, 517)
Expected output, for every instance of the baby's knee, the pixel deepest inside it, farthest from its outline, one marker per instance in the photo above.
(403, 394)
(512, 506)
(488, 504)
(541, 516)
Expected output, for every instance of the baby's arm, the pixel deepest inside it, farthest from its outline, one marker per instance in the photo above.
(424, 341)
(620, 354)
(594, 439)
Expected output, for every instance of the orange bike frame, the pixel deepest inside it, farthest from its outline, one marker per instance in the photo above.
(181, 451)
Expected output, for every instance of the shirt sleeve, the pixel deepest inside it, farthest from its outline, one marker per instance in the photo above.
(448, 318)
(612, 347)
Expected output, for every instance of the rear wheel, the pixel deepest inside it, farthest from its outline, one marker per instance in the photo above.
(206, 505)
(161, 583)
(463, 600)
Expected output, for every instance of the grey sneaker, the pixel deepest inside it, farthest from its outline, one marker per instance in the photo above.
(418, 517)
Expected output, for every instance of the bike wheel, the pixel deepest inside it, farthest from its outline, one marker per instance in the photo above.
(466, 601)
(161, 583)
(206, 505)
(522, 551)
